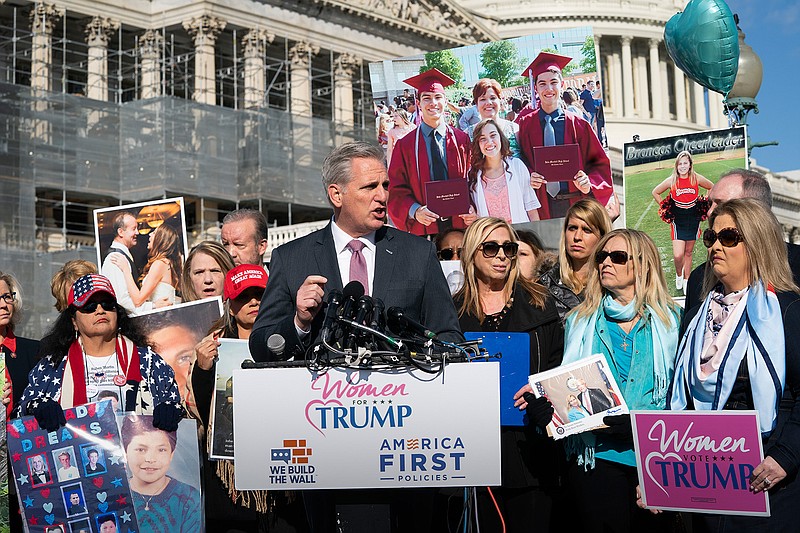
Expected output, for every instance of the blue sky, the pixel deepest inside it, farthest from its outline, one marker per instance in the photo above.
(770, 27)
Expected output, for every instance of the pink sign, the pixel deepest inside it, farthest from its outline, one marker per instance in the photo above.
(699, 461)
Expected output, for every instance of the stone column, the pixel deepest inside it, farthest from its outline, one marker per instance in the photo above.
(655, 80)
(680, 94)
(42, 18)
(255, 44)
(698, 95)
(643, 89)
(150, 52)
(300, 56)
(616, 84)
(97, 33)
(204, 30)
(627, 76)
(344, 67)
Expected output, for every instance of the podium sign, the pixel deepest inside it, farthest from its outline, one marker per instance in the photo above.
(367, 429)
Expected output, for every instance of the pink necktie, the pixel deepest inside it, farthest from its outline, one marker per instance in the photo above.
(358, 265)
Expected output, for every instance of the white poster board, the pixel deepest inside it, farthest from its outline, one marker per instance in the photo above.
(367, 429)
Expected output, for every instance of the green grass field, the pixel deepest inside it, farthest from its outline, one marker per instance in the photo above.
(641, 211)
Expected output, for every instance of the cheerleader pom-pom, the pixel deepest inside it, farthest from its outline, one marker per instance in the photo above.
(665, 210)
(703, 205)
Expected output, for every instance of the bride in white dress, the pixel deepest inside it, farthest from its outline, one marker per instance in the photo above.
(162, 271)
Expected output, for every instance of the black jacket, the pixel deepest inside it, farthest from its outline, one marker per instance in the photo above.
(564, 298)
(20, 364)
(529, 457)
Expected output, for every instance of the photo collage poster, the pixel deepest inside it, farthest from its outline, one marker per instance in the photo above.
(150, 241)
(74, 479)
(505, 62)
(678, 170)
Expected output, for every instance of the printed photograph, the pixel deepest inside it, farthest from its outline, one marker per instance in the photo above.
(485, 109)
(64, 458)
(231, 354)
(74, 500)
(667, 182)
(80, 526)
(39, 470)
(94, 459)
(582, 393)
(141, 248)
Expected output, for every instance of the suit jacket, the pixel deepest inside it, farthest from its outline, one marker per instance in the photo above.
(406, 186)
(407, 275)
(593, 159)
(600, 402)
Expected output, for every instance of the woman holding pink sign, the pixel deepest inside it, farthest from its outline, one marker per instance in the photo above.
(627, 316)
(737, 352)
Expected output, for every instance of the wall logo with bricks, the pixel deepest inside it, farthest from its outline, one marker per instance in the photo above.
(294, 451)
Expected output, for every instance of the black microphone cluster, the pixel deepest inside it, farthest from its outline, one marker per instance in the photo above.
(358, 331)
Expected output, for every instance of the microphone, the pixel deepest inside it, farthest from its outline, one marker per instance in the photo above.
(334, 301)
(352, 292)
(276, 344)
(398, 322)
(378, 321)
(363, 311)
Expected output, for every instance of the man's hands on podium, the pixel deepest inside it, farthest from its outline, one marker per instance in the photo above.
(309, 301)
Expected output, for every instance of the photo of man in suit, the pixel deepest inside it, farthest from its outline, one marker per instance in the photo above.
(593, 400)
(394, 266)
(94, 464)
(40, 473)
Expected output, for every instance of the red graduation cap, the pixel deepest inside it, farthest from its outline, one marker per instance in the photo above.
(544, 62)
(430, 81)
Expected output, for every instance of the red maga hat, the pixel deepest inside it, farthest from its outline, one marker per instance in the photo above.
(430, 81)
(544, 62)
(241, 278)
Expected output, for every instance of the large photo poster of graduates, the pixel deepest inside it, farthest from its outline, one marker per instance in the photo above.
(667, 183)
(521, 121)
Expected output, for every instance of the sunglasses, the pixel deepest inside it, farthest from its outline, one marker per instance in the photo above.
(728, 237)
(448, 254)
(618, 257)
(491, 249)
(91, 307)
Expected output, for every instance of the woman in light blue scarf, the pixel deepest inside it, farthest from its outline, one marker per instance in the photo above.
(628, 316)
(740, 351)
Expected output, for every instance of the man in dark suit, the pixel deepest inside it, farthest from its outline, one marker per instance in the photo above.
(737, 183)
(593, 400)
(396, 267)
(402, 269)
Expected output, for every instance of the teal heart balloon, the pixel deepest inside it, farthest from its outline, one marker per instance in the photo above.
(704, 44)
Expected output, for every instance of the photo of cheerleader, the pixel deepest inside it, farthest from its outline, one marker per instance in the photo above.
(684, 186)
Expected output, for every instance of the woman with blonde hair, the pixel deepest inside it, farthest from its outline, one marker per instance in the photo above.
(204, 271)
(161, 275)
(63, 279)
(628, 316)
(684, 189)
(402, 127)
(584, 224)
(740, 351)
(495, 297)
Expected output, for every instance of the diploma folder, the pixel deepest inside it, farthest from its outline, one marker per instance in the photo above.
(557, 163)
(448, 198)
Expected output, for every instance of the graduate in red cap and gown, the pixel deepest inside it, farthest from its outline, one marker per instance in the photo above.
(594, 175)
(434, 151)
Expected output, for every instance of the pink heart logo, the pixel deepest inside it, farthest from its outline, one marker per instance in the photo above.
(313, 403)
(98, 481)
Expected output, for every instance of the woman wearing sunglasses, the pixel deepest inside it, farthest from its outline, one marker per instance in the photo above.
(499, 184)
(585, 223)
(93, 347)
(227, 508)
(496, 298)
(740, 351)
(628, 316)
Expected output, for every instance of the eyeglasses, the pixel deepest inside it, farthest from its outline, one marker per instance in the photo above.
(618, 257)
(91, 307)
(491, 249)
(8, 297)
(448, 254)
(727, 237)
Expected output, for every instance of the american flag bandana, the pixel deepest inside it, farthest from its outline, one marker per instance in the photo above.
(86, 286)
